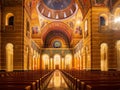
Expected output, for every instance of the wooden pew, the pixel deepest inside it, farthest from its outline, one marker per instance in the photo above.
(83, 84)
(17, 83)
(85, 78)
(31, 78)
(15, 87)
(103, 87)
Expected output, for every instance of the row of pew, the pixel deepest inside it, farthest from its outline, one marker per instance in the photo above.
(92, 80)
(24, 80)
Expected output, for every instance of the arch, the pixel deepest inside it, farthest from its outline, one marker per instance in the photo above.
(116, 18)
(118, 54)
(56, 36)
(68, 61)
(117, 12)
(103, 19)
(35, 60)
(9, 57)
(57, 61)
(9, 20)
(117, 15)
(104, 57)
(56, 26)
(45, 60)
(116, 5)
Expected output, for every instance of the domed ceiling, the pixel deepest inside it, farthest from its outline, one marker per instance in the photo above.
(57, 4)
(57, 9)
(55, 15)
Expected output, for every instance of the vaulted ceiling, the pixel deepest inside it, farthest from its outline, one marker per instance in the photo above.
(54, 16)
(59, 16)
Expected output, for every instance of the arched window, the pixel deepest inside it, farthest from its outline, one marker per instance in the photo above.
(35, 60)
(104, 57)
(45, 61)
(118, 55)
(102, 21)
(9, 57)
(57, 59)
(9, 19)
(117, 13)
(116, 24)
(68, 61)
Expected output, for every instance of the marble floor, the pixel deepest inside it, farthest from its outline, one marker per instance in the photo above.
(57, 82)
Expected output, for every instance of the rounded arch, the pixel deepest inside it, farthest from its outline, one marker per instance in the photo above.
(45, 61)
(116, 18)
(57, 61)
(56, 26)
(56, 35)
(116, 5)
(9, 57)
(104, 57)
(9, 19)
(117, 15)
(68, 61)
(117, 12)
(118, 54)
(103, 18)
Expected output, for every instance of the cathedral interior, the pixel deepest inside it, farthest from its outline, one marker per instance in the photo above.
(66, 35)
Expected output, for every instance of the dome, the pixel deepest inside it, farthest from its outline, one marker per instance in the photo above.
(57, 9)
(57, 4)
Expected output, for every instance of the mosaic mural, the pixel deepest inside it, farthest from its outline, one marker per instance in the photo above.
(57, 4)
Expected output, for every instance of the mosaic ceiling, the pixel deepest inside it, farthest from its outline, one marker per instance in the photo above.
(57, 4)
(57, 9)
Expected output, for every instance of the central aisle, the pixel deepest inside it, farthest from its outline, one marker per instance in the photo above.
(57, 82)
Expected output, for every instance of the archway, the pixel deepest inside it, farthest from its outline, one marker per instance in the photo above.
(45, 60)
(116, 24)
(68, 61)
(104, 57)
(9, 19)
(57, 59)
(9, 57)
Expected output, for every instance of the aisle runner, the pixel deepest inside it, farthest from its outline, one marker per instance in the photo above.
(57, 82)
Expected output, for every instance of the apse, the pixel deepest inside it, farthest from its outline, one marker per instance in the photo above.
(56, 39)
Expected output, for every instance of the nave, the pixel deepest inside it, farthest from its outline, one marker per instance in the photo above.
(60, 80)
(57, 82)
